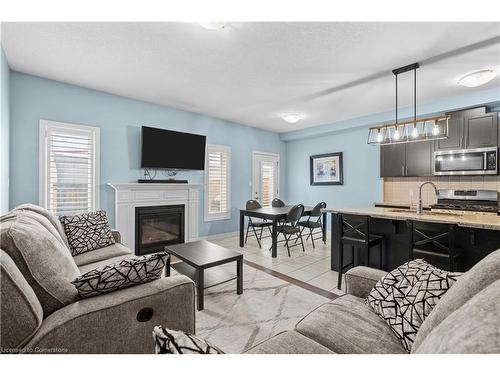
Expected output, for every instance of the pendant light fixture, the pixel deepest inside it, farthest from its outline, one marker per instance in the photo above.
(425, 129)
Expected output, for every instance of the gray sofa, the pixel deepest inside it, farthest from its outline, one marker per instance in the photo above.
(41, 310)
(466, 319)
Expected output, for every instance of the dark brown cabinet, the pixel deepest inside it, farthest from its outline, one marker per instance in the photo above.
(470, 128)
(406, 160)
(419, 159)
(481, 131)
(392, 160)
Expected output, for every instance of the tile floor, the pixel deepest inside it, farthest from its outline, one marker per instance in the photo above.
(311, 266)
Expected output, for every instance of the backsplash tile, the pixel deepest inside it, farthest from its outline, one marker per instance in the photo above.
(404, 189)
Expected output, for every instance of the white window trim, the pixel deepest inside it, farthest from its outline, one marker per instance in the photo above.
(226, 215)
(44, 126)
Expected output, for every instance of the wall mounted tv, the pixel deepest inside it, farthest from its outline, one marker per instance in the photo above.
(172, 150)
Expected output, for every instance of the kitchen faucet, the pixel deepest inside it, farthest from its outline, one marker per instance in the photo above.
(419, 197)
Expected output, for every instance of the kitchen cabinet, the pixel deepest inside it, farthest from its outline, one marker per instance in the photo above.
(406, 160)
(455, 134)
(419, 159)
(392, 160)
(481, 131)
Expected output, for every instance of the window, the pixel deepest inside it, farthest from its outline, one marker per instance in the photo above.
(69, 168)
(217, 183)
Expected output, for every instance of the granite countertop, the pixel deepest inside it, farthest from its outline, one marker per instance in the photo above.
(482, 221)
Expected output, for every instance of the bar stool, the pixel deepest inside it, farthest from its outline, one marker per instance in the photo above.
(354, 230)
(438, 243)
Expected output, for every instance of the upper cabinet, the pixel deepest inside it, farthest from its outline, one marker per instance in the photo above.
(481, 131)
(471, 128)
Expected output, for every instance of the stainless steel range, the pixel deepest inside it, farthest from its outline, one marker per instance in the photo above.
(468, 201)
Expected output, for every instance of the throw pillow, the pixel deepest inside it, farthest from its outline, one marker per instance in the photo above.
(87, 232)
(124, 274)
(407, 295)
(168, 341)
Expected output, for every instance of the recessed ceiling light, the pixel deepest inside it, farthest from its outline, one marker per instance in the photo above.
(477, 78)
(213, 25)
(292, 118)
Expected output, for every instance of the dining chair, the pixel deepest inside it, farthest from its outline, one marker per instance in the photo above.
(313, 222)
(256, 223)
(277, 203)
(290, 226)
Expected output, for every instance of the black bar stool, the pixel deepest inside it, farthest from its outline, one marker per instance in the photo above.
(436, 242)
(354, 230)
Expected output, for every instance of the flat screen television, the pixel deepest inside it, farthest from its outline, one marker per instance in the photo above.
(172, 150)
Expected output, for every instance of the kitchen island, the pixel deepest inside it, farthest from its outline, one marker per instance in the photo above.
(477, 234)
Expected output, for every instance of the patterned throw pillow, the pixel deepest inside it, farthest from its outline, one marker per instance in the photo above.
(124, 274)
(406, 296)
(168, 341)
(87, 232)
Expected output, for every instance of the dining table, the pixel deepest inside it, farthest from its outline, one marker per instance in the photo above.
(275, 215)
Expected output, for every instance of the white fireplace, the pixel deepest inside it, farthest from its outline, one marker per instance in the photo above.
(128, 196)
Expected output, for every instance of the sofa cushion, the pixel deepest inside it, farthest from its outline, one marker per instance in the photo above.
(289, 342)
(20, 310)
(347, 325)
(474, 328)
(467, 286)
(126, 273)
(44, 261)
(101, 254)
(406, 296)
(102, 263)
(87, 232)
(169, 341)
(28, 207)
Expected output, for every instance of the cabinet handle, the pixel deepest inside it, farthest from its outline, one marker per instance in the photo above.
(406, 170)
(403, 170)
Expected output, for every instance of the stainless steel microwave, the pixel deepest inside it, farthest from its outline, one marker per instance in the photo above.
(466, 162)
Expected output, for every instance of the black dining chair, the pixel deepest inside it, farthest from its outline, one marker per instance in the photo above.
(256, 223)
(354, 231)
(277, 203)
(313, 222)
(290, 226)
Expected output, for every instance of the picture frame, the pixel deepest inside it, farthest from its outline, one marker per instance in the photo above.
(326, 169)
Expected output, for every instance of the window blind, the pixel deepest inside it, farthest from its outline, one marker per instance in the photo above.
(267, 188)
(217, 176)
(70, 168)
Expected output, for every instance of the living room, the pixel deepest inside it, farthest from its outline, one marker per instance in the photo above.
(244, 187)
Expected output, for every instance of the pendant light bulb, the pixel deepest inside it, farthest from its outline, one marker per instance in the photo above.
(396, 134)
(414, 133)
(435, 130)
(379, 136)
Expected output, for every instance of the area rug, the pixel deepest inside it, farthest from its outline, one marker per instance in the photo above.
(267, 306)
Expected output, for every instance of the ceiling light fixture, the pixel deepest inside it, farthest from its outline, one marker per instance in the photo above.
(412, 130)
(292, 118)
(477, 78)
(213, 25)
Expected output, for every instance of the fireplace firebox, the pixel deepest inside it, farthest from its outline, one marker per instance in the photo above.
(158, 226)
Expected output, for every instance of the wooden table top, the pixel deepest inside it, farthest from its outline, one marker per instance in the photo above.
(202, 254)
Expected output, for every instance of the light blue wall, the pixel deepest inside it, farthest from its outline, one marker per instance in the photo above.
(4, 132)
(120, 120)
(362, 184)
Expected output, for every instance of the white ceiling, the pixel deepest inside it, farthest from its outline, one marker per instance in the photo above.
(251, 73)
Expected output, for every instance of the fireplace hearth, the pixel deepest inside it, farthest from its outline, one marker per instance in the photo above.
(158, 226)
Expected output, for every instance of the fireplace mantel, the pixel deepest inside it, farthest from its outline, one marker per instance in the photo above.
(129, 195)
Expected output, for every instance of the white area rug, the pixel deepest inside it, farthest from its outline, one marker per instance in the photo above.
(267, 306)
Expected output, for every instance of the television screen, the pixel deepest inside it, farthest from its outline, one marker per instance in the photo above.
(172, 150)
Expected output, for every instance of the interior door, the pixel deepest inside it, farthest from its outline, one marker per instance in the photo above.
(265, 180)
